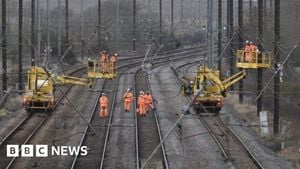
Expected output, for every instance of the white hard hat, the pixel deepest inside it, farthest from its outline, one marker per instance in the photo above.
(251, 42)
(141, 92)
(116, 54)
(128, 89)
(247, 41)
(103, 94)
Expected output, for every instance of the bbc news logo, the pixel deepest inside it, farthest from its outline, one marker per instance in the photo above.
(28, 150)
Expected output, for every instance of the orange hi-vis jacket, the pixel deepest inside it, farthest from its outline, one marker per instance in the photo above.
(104, 101)
(142, 100)
(149, 99)
(253, 48)
(104, 57)
(128, 97)
(247, 47)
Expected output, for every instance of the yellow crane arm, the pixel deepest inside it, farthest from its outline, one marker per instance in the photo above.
(72, 80)
(217, 84)
(234, 79)
(221, 86)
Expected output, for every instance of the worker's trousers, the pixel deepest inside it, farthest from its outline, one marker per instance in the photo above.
(127, 105)
(103, 111)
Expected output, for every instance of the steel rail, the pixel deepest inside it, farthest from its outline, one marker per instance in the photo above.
(239, 140)
(28, 139)
(158, 129)
(165, 160)
(34, 131)
(87, 127)
(235, 136)
(161, 57)
(21, 123)
(110, 121)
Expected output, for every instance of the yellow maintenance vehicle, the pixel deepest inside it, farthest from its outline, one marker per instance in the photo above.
(104, 68)
(212, 89)
(257, 59)
(39, 90)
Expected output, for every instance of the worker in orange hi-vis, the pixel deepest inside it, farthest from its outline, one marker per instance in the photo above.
(142, 104)
(247, 52)
(103, 61)
(128, 99)
(253, 49)
(113, 59)
(149, 101)
(104, 101)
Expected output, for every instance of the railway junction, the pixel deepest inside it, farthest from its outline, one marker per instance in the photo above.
(164, 84)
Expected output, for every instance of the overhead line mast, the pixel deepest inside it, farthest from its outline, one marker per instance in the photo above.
(209, 33)
(259, 70)
(134, 25)
(276, 62)
(4, 35)
(241, 25)
(219, 35)
(20, 45)
(99, 25)
(32, 32)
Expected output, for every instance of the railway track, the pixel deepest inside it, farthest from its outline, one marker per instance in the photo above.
(159, 59)
(24, 131)
(102, 127)
(231, 145)
(109, 126)
(148, 132)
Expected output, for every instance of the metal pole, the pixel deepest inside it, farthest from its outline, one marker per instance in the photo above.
(48, 24)
(82, 28)
(38, 29)
(134, 25)
(32, 32)
(209, 33)
(265, 7)
(172, 19)
(277, 61)
(59, 28)
(67, 23)
(99, 25)
(219, 35)
(231, 60)
(241, 25)
(4, 62)
(250, 11)
(149, 26)
(118, 26)
(259, 70)
(199, 9)
(181, 10)
(160, 21)
(20, 45)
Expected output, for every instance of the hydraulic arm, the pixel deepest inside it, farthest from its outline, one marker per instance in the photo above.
(212, 88)
(39, 94)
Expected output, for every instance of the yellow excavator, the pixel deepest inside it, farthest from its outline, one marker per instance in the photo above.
(39, 90)
(212, 89)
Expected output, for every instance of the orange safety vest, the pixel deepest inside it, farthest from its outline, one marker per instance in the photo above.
(149, 99)
(247, 53)
(128, 97)
(104, 57)
(253, 48)
(142, 100)
(247, 47)
(104, 101)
